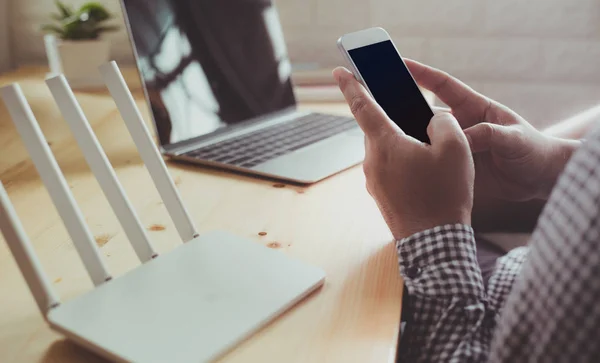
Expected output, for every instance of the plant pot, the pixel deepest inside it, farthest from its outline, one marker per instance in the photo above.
(80, 61)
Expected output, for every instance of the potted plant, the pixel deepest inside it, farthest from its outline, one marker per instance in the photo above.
(78, 44)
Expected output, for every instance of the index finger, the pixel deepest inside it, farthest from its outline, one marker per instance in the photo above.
(454, 93)
(370, 116)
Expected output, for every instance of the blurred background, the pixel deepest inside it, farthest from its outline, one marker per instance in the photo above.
(539, 57)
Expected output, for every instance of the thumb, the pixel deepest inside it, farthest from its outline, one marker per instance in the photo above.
(369, 115)
(483, 136)
(443, 129)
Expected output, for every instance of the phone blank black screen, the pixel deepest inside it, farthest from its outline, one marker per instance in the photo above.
(393, 87)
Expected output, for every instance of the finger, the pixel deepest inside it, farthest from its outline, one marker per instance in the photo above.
(487, 136)
(369, 115)
(443, 129)
(480, 136)
(448, 89)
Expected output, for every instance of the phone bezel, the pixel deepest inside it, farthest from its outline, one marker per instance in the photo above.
(364, 38)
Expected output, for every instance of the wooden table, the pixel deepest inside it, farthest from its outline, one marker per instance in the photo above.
(333, 224)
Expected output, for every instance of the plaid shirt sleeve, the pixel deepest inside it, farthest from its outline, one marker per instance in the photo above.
(541, 303)
(552, 313)
(450, 316)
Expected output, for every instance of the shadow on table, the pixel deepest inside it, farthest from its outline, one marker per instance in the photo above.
(67, 351)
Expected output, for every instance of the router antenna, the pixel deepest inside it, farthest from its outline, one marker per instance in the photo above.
(55, 182)
(100, 165)
(23, 252)
(148, 151)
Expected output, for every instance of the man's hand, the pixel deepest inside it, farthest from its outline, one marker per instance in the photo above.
(416, 186)
(513, 160)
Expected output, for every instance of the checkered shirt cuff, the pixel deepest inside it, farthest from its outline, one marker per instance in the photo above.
(441, 263)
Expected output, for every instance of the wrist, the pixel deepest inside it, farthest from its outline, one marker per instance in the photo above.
(558, 157)
(411, 226)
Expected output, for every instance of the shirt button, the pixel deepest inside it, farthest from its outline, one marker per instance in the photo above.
(413, 272)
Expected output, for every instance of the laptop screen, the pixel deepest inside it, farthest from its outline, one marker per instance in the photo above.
(209, 64)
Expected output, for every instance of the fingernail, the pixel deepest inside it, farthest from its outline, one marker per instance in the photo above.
(442, 116)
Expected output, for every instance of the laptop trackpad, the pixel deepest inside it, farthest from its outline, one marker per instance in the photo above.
(317, 161)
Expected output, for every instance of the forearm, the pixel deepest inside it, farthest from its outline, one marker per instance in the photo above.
(492, 214)
(557, 158)
(575, 127)
(498, 215)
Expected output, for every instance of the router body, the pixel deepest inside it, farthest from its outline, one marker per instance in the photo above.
(190, 305)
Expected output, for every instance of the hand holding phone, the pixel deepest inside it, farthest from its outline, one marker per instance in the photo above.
(417, 186)
(377, 64)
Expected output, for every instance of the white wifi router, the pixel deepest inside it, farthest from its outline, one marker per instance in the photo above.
(190, 305)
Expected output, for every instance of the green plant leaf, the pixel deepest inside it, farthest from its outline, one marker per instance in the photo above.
(66, 11)
(77, 30)
(85, 23)
(96, 11)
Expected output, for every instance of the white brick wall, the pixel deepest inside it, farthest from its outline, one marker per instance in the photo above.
(486, 59)
(540, 57)
(542, 18)
(428, 17)
(571, 60)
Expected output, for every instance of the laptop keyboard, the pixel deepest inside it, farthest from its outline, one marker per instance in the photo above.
(263, 145)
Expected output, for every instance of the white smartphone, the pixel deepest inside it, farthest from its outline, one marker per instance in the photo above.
(377, 64)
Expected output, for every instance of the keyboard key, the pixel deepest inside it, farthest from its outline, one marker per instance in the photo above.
(263, 145)
(240, 160)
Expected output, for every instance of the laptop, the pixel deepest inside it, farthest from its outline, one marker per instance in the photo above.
(217, 77)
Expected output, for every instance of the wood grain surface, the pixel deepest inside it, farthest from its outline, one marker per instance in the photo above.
(333, 224)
